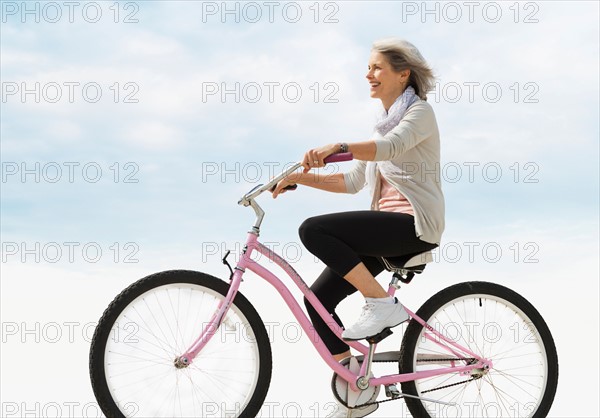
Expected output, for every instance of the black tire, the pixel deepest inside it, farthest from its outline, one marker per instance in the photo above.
(537, 345)
(169, 285)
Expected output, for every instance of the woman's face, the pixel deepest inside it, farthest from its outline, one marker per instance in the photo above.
(386, 84)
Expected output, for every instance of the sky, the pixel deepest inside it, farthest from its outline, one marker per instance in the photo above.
(129, 130)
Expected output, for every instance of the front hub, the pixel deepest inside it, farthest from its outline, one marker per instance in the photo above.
(181, 362)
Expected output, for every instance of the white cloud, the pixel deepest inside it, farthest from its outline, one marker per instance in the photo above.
(64, 130)
(154, 135)
(147, 44)
(13, 59)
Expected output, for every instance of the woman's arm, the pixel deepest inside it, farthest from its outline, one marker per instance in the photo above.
(328, 182)
(314, 158)
(337, 183)
(364, 151)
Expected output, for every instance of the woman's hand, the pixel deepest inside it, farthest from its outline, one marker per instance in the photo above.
(281, 187)
(314, 157)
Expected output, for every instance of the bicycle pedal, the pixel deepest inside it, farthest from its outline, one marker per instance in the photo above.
(391, 391)
(378, 337)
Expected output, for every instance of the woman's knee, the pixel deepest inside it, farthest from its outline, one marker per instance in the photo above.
(308, 230)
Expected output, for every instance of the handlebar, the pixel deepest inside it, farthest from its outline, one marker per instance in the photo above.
(336, 158)
(259, 189)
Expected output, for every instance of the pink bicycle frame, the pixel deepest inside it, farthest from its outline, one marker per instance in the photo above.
(246, 263)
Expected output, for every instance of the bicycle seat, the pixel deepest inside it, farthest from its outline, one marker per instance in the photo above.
(412, 262)
(406, 266)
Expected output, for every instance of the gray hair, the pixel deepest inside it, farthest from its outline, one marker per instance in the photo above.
(403, 55)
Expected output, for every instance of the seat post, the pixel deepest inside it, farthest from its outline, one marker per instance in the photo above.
(393, 286)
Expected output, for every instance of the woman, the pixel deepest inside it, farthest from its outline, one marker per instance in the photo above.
(400, 163)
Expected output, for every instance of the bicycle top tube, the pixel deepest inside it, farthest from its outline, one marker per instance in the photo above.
(249, 198)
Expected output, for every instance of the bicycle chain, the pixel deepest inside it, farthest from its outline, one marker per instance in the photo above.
(470, 360)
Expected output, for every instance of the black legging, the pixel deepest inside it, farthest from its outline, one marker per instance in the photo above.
(342, 241)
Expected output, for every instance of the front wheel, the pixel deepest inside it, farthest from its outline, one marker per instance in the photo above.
(151, 323)
(493, 322)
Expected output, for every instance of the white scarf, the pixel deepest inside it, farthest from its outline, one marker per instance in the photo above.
(387, 121)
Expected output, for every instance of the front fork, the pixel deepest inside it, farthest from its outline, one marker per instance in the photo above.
(185, 359)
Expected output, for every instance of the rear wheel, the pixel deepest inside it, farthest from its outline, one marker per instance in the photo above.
(151, 323)
(496, 323)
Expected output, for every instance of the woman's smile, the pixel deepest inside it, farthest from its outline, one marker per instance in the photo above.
(374, 84)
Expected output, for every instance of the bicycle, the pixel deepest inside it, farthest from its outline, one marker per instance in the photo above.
(185, 343)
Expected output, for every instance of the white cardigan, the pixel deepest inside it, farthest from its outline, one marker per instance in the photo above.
(413, 146)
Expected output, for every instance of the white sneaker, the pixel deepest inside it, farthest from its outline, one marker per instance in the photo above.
(375, 317)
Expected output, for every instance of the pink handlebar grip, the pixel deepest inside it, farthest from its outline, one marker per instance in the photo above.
(335, 158)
